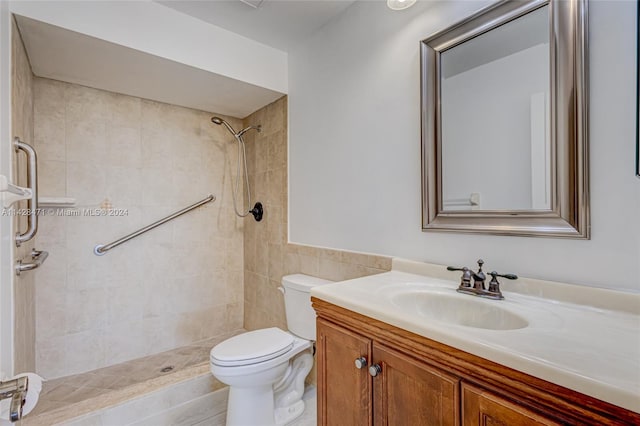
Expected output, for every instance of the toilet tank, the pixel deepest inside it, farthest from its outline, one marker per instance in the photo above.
(301, 318)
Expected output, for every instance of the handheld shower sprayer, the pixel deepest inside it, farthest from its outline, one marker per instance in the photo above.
(257, 210)
(220, 121)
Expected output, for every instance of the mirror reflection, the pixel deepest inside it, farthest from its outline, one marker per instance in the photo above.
(495, 115)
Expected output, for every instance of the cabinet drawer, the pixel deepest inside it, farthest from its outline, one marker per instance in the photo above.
(481, 407)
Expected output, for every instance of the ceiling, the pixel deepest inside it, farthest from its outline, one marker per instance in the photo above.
(276, 23)
(62, 54)
(65, 55)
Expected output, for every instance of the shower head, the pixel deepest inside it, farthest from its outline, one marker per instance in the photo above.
(219, 121)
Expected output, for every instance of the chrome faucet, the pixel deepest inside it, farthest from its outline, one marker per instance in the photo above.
(478, 289)
(16, 389)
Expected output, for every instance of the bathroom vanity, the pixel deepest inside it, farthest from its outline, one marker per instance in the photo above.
(385, 357)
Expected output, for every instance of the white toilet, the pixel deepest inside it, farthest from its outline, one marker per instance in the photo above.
(265, 369)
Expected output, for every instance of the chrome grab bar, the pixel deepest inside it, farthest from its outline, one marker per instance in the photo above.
(101, 249)
(32, 183)
(37, 259)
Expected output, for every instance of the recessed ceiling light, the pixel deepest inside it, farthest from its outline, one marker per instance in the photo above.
(400, 4)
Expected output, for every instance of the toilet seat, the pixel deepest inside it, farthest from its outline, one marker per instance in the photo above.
(252, 347)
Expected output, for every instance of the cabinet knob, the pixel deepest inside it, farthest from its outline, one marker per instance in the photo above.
(361, 362)
(374, 370)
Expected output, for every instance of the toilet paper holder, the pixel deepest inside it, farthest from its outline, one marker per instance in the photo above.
(16, 389)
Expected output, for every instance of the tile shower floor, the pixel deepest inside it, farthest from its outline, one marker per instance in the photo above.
(67, 398)
(75, 395)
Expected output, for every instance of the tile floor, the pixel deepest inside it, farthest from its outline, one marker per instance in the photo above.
(309, 417)
(84, 389)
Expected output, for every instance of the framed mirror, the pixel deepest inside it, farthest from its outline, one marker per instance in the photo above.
(504, 122)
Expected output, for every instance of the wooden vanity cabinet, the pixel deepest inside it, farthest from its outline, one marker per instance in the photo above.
(480, 407)
(346, 389)
(422, 382)
(352, 397)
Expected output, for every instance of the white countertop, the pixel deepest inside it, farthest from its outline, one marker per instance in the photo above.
(592, 347)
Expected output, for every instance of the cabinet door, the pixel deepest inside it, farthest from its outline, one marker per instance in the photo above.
(481, 407)
(344, 391)
(409, 392)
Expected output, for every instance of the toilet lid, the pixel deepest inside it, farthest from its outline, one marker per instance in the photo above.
(252, 347)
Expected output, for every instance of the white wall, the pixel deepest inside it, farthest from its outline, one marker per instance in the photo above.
(158, 30)
(355, 148)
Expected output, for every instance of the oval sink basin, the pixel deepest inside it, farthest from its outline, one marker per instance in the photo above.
(458, 309)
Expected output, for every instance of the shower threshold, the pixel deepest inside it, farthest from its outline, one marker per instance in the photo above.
(67, 398)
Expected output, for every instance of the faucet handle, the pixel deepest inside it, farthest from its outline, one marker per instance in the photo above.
(507, 276)
(455, 268)
(494, 274)
(494, 285)
(465, 279)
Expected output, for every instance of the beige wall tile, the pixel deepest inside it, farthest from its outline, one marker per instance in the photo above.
(235, 287)
(379, 262)
(276, 181)
(123, 341)
(125, 111)
(331, 270)
(88, 342)
(85, 105)
(124, 148)
(309, 265)
(86, 182)
(85, 310)
(51, 320)
(355, 258)
(86, 141)
(22, 125)
(276, 261)
(277, 151)
(49, 136)
(179, 283)
(51, 357)
(274, 118)
(262, 256)
(52, 178)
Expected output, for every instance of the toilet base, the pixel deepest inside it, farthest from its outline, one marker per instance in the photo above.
(261, 411)
(285, 415)
(288, 393)
(268, 393)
